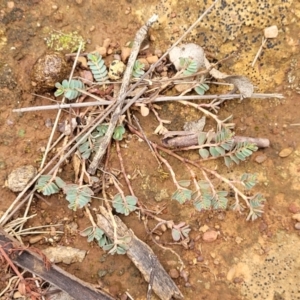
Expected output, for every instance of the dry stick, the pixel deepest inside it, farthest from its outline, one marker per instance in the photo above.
(158, 99)
(59, 112)
(140, 36)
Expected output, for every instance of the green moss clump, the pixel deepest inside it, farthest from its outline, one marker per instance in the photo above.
(69, 42)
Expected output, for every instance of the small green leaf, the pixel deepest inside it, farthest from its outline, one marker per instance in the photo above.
(124, 206)
(102, 129)
(184, 183)
(213, 151)
(60, 183)
(182, 195)
(118, 133)
(21, 133)
(201, 138)
(204, 153)
(46, 186)
(176, 234)
(204, 185)
(220, 150)
(228, 161)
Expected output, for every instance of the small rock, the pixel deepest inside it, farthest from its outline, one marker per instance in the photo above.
(116, 69)
(158, 52)
(297, 226)
(238, 240)
(271, 32)
(260, 158)
(200, 259)
(152, 59)
(10, 4)
(296, 217)
(204, 228)
(19, 178)
(92, 28)
(286, 152)
(101, 50)
(124, 297)
(35, 239)
(294, 208)
(174, 273)
(49, 69)
(83, 61)
(191, 51)
(125, 52)
(67, 255)
(238, 280)
(102, 273)
(152, 38)
(106, 43)
(185, 275)
(210, 236)
(128, 10)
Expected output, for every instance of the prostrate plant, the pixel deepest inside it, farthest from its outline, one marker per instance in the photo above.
(203, 194)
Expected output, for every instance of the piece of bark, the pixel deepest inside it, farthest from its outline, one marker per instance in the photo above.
(66, 282)
(142, 256)
(188, 140)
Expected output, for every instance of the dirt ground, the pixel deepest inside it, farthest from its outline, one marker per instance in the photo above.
(249, 260)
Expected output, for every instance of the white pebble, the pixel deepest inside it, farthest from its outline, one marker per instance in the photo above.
(271, 32)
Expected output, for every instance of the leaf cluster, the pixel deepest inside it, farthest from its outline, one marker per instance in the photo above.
(77, 196)
(91, 143)
(138, 69)
(180, 231)
(224, 146)
(205, 196)
(97, 66)
(124, 205)
(69, 88)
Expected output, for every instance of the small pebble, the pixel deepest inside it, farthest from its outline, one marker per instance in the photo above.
(286, 152)
(158, 52)
(174, 273)
(125, 52)
(152, 38)
(35, 239)
(294, 208)
(185, 275)
(296, 217)
(10, 4)
(128, 10)
(260, 158)
(200, 258)
(152, 59)
(92, 28)
(297, 226)
(238, 280)
(210, 236)
(101, 50)
(271, 32)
